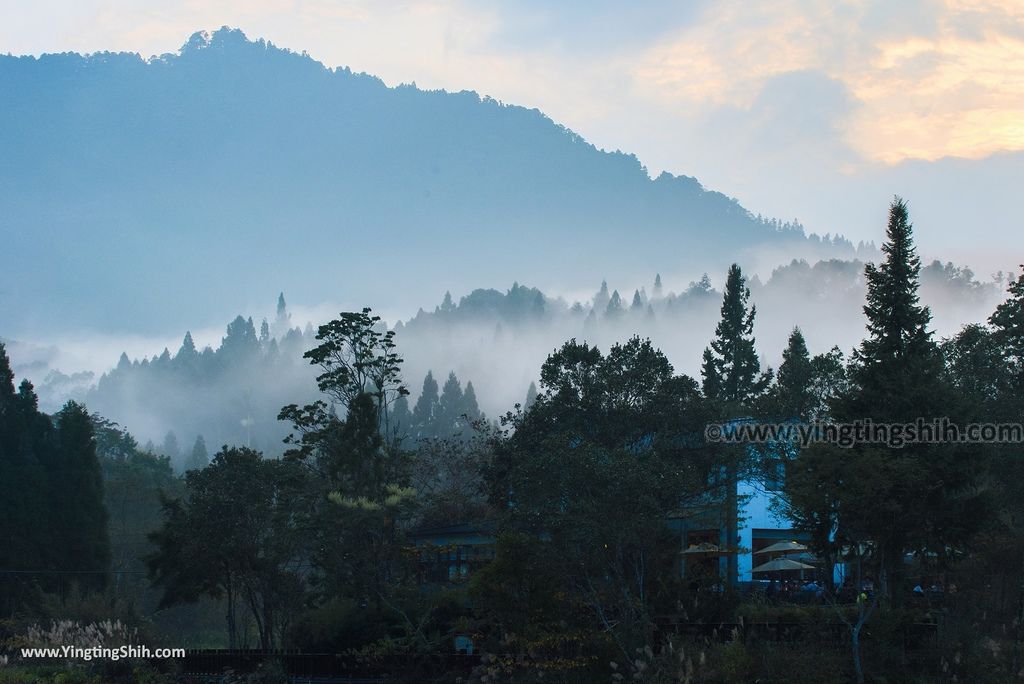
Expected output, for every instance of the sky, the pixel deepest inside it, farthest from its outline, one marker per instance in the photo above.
(807, 109)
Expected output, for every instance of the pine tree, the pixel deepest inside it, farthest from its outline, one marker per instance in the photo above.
(424, 414)
(447, 305)
(470, 407)
(731, 370)
(401, 417)
(199, 457)
(793, 388)
(6, 375)
(733, 382)
(614, 309)
(450, 407)
(920, 496)
(638, 303)
(79, 520)
(531, 396)
(240, 343)
(602, 297)
(187, 351)
(538, 306)
(898, 353)
(170, 447)
(1008, 325)
(656, 293)
(283, 320)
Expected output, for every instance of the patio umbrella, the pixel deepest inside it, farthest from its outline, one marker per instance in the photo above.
(784, 547)
(782, 564)
(702, 549)
(804, 557)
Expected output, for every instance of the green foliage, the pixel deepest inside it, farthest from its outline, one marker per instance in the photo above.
(793, 384)
(235, 536)
(80, 522)
(586, 482)
(52, 514)
(731, 369)
(357, 358)
(918, 498)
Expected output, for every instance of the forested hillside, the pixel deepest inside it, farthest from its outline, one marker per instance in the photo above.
(200, 183)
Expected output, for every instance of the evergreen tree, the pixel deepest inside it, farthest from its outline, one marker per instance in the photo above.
(22, 494)
(656, 293)
(793, 396)
(424, 414)
(6, 375)
(283, 320)
(731, 370)
(538, 306)
(896, 498)
(447, 305)
(602, 297)
(79, 519)
(733, 382)
(700, 287)
(531, 396)
(240, 343)
(638, 302)
(401, 417)
(170, 447)
(450, 406)
(1008, 326)
(470, 407)
(898, 358)
(199, 457)
(187, 351)
(614, 309)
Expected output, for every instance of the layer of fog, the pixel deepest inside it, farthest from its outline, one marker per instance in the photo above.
(495, 339)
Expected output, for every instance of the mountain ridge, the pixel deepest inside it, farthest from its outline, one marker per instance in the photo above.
(237, 168)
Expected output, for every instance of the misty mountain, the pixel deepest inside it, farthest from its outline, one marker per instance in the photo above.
(488, 343)
(161, 193)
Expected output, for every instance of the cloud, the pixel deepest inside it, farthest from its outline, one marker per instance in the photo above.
(932, 80)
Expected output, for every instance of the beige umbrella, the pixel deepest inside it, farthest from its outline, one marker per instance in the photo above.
(702, 549)
(782, 564)
(784, 547)
(804, 557)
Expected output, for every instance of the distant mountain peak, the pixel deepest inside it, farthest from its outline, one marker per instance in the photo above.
(223, 38)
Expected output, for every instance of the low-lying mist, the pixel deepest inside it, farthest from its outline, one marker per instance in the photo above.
(229, 388)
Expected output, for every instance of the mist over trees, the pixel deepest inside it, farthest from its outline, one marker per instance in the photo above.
(492, 341)
(577, 494)
(323, 155)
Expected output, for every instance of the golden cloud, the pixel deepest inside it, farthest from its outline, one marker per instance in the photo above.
(955, 89)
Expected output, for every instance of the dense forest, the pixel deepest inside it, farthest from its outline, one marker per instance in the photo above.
(346, 539)
(490, 339)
